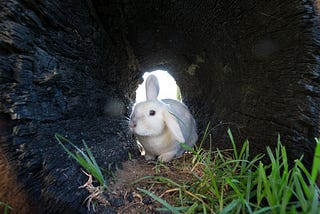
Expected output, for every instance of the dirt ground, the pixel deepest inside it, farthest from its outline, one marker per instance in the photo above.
(124, 196)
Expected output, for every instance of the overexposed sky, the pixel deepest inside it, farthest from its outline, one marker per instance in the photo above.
(168, 86)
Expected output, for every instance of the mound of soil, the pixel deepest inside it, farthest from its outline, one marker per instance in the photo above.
(123, 192)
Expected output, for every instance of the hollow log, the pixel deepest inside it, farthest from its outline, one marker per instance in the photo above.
(72, 67)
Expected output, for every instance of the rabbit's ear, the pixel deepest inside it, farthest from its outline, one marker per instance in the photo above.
(152, 87)
(173, 126)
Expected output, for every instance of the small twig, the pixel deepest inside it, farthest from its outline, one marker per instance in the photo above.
(96, 193)
(89, 182)
(168, 191)
(138, 196)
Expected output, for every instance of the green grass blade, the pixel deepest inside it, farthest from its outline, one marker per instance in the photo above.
(260, 184)
(192, 209)
(180, 209)
(266, 186)
(233, 145)
(188, 148)
(160, 200)
(230, 207)
(95, 165)
(60, 138)
(141, 179)
(89, 168)
(299, 192)
(315, 204)
(88, 162)
(300, 165)
(232, 183)
(249, 186)
(161, 179)
(205, 135)
(316, 162)
(264, 210)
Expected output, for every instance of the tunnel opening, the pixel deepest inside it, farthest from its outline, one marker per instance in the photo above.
(168, 86)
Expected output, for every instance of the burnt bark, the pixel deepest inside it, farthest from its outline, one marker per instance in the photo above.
(59, 74)
(72, 67)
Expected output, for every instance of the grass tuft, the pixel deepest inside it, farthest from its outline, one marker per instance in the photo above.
(229, 181)
(84, 158)
(88, 162)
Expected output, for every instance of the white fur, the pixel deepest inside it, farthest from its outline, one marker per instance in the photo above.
(161, 133)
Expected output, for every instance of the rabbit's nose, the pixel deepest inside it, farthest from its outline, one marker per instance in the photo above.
(132, 124)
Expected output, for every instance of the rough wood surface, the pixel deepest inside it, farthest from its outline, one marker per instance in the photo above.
(58, 74)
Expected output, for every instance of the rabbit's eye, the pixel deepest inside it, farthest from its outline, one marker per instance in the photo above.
(152, 112)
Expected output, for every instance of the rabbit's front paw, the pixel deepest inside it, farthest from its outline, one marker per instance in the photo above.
(149, 157)
(166, 157)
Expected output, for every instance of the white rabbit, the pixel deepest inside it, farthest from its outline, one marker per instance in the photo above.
(160, 125)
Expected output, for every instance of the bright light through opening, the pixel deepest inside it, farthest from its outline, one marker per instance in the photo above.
(168, 86)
